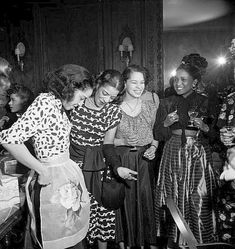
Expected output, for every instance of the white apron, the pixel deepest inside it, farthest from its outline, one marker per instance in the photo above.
(64, 205)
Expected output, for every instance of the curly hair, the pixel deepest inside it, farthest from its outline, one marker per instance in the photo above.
(63, 81)
(195, 65)
(24, 93)
(136, 68)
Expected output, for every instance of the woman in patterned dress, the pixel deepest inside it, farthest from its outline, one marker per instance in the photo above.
(226, 196)
(57, 197)
(186, 172)
(94, 124)
(136, 147)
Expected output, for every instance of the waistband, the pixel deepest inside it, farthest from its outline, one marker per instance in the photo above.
(132, 148)
(188, 133)
(56, 160)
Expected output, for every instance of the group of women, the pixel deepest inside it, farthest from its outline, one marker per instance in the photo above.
(80, 127)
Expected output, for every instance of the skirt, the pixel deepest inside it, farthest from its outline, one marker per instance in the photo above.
(186, 175)
(64, 205)
(135, 223)
(102, 220)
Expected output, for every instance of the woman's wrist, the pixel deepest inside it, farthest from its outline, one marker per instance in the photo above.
(154, 144)
(205, 128)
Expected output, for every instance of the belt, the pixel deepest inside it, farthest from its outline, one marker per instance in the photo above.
(189, 133)
(132, 148)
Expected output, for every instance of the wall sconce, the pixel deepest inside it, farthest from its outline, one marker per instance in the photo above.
(19, 52)
(126, 50)
(126, 47)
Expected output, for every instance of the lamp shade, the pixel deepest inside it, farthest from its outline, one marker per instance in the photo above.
(20, 48)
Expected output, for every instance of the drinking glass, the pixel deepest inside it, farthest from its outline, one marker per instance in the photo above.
(192, 115)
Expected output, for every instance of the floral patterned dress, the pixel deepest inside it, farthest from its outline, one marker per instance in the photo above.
(60, 218)
(226, 196)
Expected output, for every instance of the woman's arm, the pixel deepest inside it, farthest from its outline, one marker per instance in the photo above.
(22, 154)
(113, 159)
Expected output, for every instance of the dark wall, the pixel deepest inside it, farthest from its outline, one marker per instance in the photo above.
(88, 35)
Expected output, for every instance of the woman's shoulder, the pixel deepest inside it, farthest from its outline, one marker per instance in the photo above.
(150, 96)
(113, 107)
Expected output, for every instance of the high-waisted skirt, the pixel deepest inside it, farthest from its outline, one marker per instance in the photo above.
(102, 220)
(135, 223)
(61, 217)
(186, 175)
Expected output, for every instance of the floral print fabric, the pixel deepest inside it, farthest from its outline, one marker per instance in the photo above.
(227, 116)
(226, 212)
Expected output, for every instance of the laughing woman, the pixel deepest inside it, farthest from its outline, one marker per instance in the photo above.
(186, 171)
(94, 124)
(136, 147)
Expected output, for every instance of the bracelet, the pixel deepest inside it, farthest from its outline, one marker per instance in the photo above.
(153, 146)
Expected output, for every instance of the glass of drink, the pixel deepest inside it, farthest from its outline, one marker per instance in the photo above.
(192, 115)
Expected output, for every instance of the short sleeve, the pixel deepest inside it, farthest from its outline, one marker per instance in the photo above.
(115, 116)
(29, 123)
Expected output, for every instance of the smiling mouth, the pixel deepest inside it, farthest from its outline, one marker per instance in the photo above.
(179, 88)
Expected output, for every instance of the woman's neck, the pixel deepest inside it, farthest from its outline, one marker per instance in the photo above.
(129, 98)
(90, 103)
(187, 94)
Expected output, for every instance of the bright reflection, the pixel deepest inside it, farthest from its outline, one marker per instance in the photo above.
(221, 60)
(178, 13)
(173, 72)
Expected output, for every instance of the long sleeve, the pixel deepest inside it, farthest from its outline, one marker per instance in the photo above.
(161, 133)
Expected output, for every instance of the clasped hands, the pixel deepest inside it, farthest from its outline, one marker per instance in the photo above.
(174, 117)
(133, 141)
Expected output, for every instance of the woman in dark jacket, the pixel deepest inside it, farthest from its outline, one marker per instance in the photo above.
(186, 171)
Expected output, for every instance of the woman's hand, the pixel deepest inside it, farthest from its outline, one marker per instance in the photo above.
(44, 177)
(150, 153)
(171, 118)
(127, 174)
(3, 120)
(231, 157)
(228, 174)
(198, 122)
(226, 136)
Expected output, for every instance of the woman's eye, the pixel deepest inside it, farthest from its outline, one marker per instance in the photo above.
(105, 93)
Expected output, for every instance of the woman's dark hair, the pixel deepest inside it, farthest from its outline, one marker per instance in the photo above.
(136, 68)
(24, 93)
(112, 78)
(63, 81)
(195, 65)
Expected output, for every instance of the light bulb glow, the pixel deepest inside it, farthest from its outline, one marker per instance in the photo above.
(173, 72)
(221, 60)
